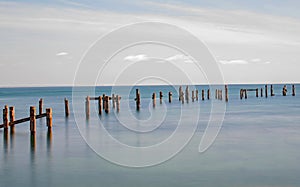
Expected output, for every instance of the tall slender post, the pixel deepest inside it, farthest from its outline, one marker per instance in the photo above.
(193, 95)
(216, 94)
(32, 120)
(256, 91)
(113, 100)
(40, 106)
(241, 93)
(137, 99)
(180, 90)
(272, 91)
(208, 94)
(5, 118)
(187, 94)
(160, 97)
(170, 97)
(284, 90)
(87, 106)
(266, 90)
(49, 118)
(202, 95)
(100, 105)
(197, 93)
(226, 93)
(221, 94)
(261, 92)
(245, 91)
(293, 90)
(154, 99)
(67, 110)
(118, 103)
(106, 99)
(103, 101)
(12, 119)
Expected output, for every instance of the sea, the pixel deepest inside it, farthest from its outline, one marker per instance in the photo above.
(253, 142)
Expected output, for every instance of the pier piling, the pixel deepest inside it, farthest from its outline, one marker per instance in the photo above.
(12, 119)
(67, 110)
(32, 120)
(170, 97)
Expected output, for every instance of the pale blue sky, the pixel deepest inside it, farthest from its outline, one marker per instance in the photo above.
(47, 39)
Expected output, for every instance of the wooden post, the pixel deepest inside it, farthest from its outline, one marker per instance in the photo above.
(202, 95)
(170, 97)
(180, 90)
(100, 105)
(284, 90)
(137, 99)
(160, 97)
(12, 119)
(67, 110)
(293, 90)
(221, 94)
(106, 99)
(272, 91)
(118, 103)
(216, 94)
(182, 97)
(266, 90)
(245, 91)
(5, 118)
(193, 95)
(261, 92)
(87, 106)
(154, 99)
(226, 93)
(113, 100)
(197, 93)
(187, 94)
(32, 120)
(241, 93)
(208, 94)
(103, 101)
(40, 106)
(256, 91)
(49, 118)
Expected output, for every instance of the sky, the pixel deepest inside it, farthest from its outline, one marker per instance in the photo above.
(46, 43)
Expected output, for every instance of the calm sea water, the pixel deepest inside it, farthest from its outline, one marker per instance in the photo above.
(258, 144)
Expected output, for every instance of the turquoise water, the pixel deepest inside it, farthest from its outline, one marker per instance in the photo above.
(258, 144)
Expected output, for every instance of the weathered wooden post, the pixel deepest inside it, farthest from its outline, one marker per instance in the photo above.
(202, 95)
(293, 90)
(49, 118)
(256, 92)
(182, 97)
(170, 97)
(100, 99)
(216, 94)
(87, 106)
(137, 99)
(221, 94)
(113, 100)
(180, 90)
(40, 106)
(272, 91)
(241, 93)
(118, 103)
(261, 92)
(246, 96)
(208, 94)
(187, 94)
(266, 90)
(197, 93)
(12, 119)
(160, 97)
(284, 90)
(106, 99)
(5, 118)
(103, 98)
(226, 93)
(32, 120)
(193, 95)
(154, 99)
(67, 110)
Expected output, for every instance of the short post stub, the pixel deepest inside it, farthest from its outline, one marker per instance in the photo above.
(170, 97)
(40, 106)
(67, 110)
(5, 118)
(49, 118)
(12, 119)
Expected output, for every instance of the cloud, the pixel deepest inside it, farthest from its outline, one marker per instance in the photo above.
(62, 54)
(184, 58)
(136, 58)
(244, 62)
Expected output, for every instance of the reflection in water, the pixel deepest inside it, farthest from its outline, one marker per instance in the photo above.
(49, 142)
(12, 139)
(5, 142)
(32, 144)
(32, 158)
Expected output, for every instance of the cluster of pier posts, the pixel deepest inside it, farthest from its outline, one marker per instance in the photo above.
(9, 118)
(243, 92)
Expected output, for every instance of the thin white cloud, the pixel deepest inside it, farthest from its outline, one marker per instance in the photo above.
(256, 60)
(136, 58)
(234, 62)
(180, 57)
(62, 54)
